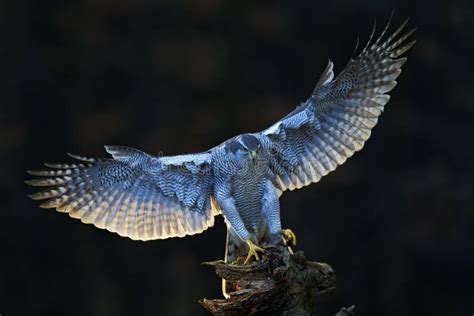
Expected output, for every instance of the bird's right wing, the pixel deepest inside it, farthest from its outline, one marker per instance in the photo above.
(134, 194)
(337, 119)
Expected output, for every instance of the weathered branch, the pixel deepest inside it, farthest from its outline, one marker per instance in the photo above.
(279, 284)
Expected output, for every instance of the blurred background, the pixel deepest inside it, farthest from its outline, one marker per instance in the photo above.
(396, 221)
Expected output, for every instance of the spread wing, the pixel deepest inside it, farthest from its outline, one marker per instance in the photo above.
(134, 194)
(337, 119)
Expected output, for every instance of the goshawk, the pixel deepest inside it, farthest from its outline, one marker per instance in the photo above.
(145, 197)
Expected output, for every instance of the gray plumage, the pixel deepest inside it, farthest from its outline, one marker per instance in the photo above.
(145, 197)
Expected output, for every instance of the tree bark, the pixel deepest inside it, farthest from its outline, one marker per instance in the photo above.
(279, 284)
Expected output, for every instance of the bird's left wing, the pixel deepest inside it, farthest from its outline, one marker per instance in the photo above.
(338, 118)
(134, 194)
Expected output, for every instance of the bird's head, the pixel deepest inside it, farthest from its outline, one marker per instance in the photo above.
(245, 146)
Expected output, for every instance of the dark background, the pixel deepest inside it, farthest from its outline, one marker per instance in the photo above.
(396, 221)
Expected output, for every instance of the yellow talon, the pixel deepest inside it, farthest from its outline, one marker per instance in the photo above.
(253, 251)
(288, 236)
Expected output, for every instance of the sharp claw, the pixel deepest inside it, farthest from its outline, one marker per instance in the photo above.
(288, 236)
(253, 251)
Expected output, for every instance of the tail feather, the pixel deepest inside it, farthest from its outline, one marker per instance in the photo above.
(234, 248)
(229, 257)
(230, 249)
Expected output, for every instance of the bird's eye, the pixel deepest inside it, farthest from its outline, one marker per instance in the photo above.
(273, 150)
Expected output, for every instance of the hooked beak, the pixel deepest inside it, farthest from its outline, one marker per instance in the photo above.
(253, 154)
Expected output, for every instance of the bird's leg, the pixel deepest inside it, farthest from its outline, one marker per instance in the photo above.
(253, 251)
(289, 238)
(233, 217)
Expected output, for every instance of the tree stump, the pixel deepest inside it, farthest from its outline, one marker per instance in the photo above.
(279, 284)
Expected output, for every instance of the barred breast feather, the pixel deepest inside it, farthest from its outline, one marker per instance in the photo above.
(248, 188)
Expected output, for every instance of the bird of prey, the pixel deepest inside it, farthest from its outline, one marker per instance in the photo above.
(146, 197)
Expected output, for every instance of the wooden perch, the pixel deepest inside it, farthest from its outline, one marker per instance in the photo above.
(279, 284)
